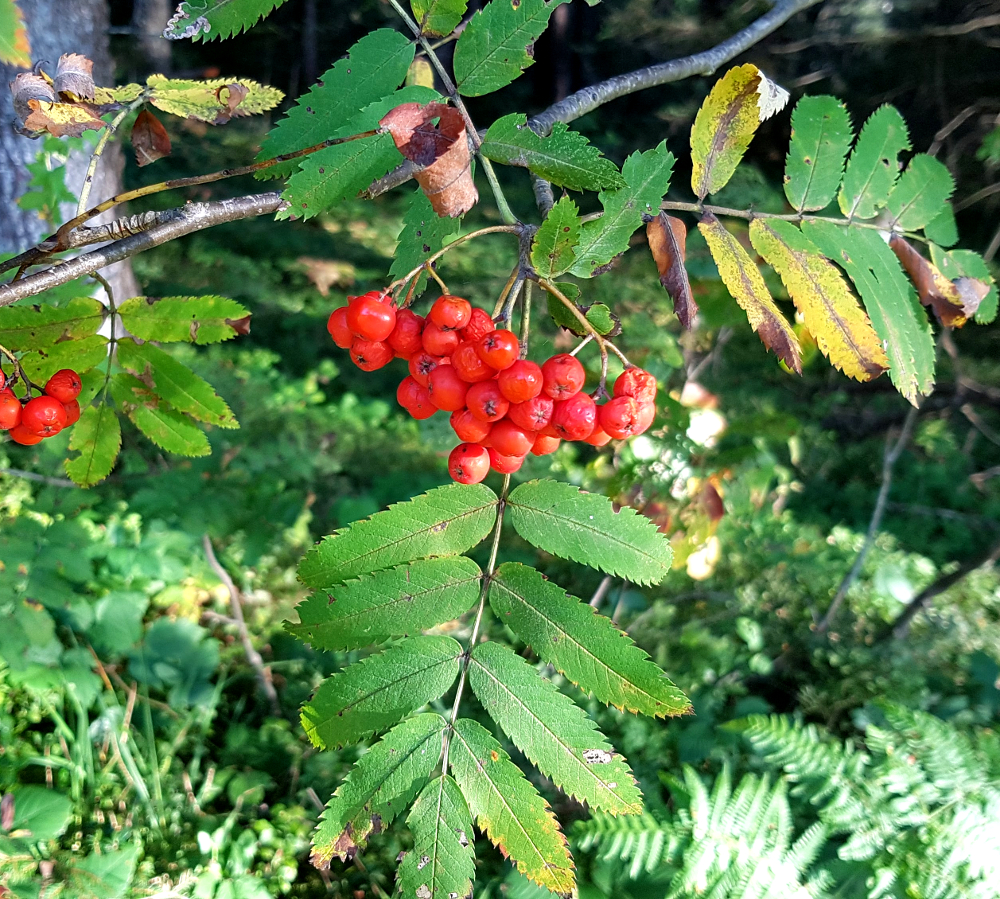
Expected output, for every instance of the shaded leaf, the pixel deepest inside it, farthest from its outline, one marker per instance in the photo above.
(552, 731)
(569, 523)
(441, 148)
(15, 49)
(423, 233)
(498, 44)
(604, 321)
(97, 436)
(438, 18)
(581, 644)
(667, 237)
(206, 20)
(921, 194)
(565, 157)
(825, 302)
(444, 521)
(891, 303)
(200, 320)
(745, 282)
(943, 229)
(373, 694)
(821, 137)
(388, 603)
(164, 426)
(554, 246)
(207, 101)
(509, 809)
(958, 264)
(26, 87)
(36, 327)
(952, 307)
(149, 139)
(379, 786)
(74, 78)
(80, 354)
(873, 168)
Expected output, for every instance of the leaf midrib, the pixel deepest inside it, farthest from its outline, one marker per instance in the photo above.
(519, 26)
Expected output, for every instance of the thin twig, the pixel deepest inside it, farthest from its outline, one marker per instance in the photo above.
(601, 591)
(40, 478)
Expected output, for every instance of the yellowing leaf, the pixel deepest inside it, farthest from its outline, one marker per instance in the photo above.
(62, 119)
(213, 101)
(747, 286)
(14, 47)
(830, 311)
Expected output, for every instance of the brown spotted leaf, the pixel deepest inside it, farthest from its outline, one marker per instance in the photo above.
(667, 237)
(952, 306)
(149, 139)
(441, 148)
(74, 79)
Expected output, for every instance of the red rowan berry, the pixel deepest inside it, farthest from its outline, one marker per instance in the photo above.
(504, 464)
(20, 434)
(450, 313)
(469, 366)
(371, 355)
(415, 399)
(3, 380)
(618, 417)
(598, 437)
(647, 412)
(10, 410)
(439, 342)
(510, 440)
(44, 415)
(563, 375)
(480, 324)
(336, 324)
(370, 318)
(574, 419)
(72, 412)
(636, 383)
(521, 382)
(64, 385)
(469, 428)
(422, 364)
(499, 349)
(469, 463)
(544, 445)
(405, 337)
(486, 402)
(446, 388)
(532, 415)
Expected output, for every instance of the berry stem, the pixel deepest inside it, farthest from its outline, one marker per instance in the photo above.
(512, 281)
(525, 318)
(437, 277)
(582, 344)
(18, 370)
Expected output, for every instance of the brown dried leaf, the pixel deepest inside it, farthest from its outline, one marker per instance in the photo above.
(230, 96)
(667, 237)
(240, 325)
(62, 119)
(149, 139)
(26, 87)
(442, 150)
(74, 79)
(953, 306)
(327, 273)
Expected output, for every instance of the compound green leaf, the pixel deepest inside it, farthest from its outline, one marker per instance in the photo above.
(554, 247)
(30, 328)
(509, 809)
(565, 157)
(581, 644)
(892, 305)
(391, 602)
(97, 436)
(943, 229)
(444, 521)
(200, 320)
(552, 731)
(821, 137)
(374, 67)
(569, 523)
(825, 302)
(424, 233)
(175, 383)
(647, 178)
(378, 691)
(745, 282)
(15, 49)
(206, 20)
(967, 264)
(441, 864)
(598, 314)
(207, 100)
(166, 427)
(379, 786)
(81, 354)
(438, 18)
(921, 194)
(873, 168)
(493, 48)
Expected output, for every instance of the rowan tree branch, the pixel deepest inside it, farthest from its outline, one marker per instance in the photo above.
(589, 98)
(190, 218)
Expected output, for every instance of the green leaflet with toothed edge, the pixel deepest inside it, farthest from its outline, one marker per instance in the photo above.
(821, 137)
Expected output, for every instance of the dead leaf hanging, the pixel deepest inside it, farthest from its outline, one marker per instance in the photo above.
(149, 139)
(74, 79)
(27, 87)
(667, 237)
(442, 150)
(953, 305)
(230, 96)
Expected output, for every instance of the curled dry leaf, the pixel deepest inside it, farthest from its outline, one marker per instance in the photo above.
(953, 304)
(442, 150)
(667, 238)
(240, 325)
(74, 78)
(62, 119)
(149, 139)
(26, 87)
(230, 96)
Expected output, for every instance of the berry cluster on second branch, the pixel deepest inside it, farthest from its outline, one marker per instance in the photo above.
(502, 407)
(31, 419)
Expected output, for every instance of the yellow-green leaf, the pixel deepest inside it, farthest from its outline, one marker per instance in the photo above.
(80, 355)
(830, 311)
(98, 438)
(31, 328)
(14, 47)
(211, 101)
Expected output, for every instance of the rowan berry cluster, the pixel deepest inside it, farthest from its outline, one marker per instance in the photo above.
(502, 407)
(31, 420)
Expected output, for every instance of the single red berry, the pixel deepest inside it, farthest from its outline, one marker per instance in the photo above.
(480, 324)
(72, 412)
(636, 383)
(20, 434)
(499, 349)
(64, 385)
(563, 376)
(544, 445)
(336, 324)
(533, 415)
(550, 431)
(469, 428)
(647, 412)
(446, 388)
(405, 337)
(439, 342)
(3, 380)
(44, 415)
(521, 382)
(618, 417)
(486, 402)
(422, 364)
(469, 366)
(10, 410)
(370, 318)
(450, 313)
(469, 463)
(598, 437)
(415, 399)
(370, 355)
(504, 464)
(510, 440)
(574, 419)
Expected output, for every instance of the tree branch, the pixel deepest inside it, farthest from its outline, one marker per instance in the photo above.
(590, 98)
(192, 217)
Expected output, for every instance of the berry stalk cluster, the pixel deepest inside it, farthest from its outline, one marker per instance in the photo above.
(502, 407)
(31, 419)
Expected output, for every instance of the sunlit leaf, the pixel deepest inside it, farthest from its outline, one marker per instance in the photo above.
(921, 194)
(957, 264)
(206, 20)
(29, 328)
(97, 436)
(81, 354)
(872, 168)
(438, 18)
(554, 246)
(208, 101)
(667, 237)
(821, 137)
(199, 320)
(166, 427)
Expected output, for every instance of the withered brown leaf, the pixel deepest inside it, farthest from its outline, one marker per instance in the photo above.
(230, 96)
(74, 78)
(26, 87)
(149, 139)
(953, 304)
(62, 119)
(442, 150)
(667, 238)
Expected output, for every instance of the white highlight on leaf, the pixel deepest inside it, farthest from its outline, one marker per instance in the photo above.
(182, 15)
(771, 97)
(597, 757)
